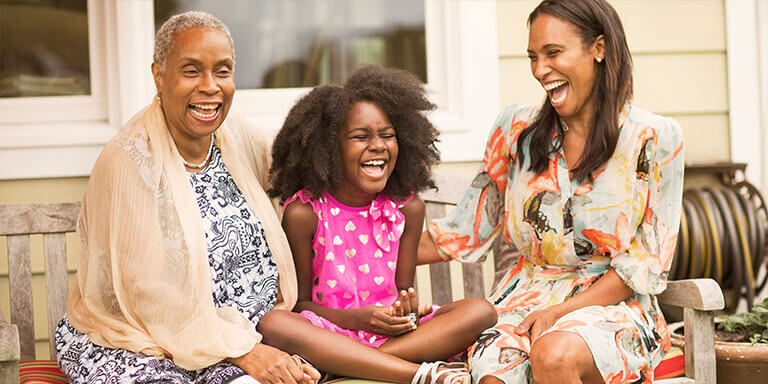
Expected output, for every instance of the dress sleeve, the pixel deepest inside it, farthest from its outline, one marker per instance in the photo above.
(645, 265)
(466, 234)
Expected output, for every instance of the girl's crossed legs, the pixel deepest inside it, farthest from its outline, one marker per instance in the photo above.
(453, 328)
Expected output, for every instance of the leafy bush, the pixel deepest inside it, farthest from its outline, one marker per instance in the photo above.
(752, 325)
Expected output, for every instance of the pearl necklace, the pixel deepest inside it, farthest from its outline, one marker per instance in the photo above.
(207, 157)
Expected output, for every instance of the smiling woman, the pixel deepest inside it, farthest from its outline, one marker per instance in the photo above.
(181, 250)
(195, 85)
(589, 189)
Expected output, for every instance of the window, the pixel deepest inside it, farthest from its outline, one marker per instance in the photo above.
(44, 49)
(289, 44)
(52, 87)
(61, 135)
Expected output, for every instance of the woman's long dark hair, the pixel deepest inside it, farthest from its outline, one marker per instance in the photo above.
(612, 88)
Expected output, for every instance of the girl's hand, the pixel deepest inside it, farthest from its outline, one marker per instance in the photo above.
(539, 321)
(270, 365)
(408, 302)
(382, 321)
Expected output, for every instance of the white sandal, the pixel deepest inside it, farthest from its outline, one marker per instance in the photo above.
(452, 375)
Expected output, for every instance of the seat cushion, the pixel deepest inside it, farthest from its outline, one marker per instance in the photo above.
(47, 371)
(672, 365)
(40, 372)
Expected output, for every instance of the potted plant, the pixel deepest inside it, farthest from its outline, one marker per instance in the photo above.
(741, 345)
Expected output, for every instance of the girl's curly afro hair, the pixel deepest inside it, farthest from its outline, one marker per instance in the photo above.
(306, 152)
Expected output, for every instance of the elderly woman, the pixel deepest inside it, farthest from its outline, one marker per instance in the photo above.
(179, 247)
(589, 190)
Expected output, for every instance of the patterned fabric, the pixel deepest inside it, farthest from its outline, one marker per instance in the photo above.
(243, 274)
(40, 372)
(569, 233)
(355, 259)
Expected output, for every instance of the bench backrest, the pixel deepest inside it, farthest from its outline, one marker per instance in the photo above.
(450, 191)
(53, 221)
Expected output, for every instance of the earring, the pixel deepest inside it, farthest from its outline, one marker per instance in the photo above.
(599, 59)
(159, 100)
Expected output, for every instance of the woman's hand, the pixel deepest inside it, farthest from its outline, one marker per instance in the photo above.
(270, 365)
(539, 321)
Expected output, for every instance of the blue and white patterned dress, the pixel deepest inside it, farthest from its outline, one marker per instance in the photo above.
(243, 274)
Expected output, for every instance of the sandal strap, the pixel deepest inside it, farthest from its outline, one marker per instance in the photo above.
(432, 370)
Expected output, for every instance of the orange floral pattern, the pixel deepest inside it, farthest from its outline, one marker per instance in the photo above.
(569, 234)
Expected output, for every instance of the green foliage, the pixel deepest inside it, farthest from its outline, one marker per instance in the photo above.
(752, 325)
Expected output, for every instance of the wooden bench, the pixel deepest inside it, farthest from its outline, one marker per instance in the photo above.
(699, 297)
(18, 222)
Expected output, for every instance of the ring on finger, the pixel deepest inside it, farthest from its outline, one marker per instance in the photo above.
(412, 317)
(298, 360)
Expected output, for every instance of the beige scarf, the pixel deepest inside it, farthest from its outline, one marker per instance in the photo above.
(143, 282)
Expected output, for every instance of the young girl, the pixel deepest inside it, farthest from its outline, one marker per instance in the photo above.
(348, 162)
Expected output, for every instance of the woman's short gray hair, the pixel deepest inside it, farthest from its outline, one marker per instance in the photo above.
(182, 22)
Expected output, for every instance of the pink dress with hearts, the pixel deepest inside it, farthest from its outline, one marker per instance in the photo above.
(355, 257)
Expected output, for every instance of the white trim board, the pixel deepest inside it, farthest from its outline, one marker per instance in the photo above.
(747, 86)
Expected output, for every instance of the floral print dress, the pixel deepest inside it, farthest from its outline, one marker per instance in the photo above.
(570, 233)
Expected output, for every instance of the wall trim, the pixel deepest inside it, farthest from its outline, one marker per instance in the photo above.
(746, 78)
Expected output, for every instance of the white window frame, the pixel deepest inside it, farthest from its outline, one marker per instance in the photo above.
(43, 137)
(747, 44)
(462, 65)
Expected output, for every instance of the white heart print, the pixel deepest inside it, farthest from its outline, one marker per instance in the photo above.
(363, 239)
(350, 226)
(378, 280)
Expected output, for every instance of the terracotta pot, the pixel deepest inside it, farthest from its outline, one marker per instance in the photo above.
(736, 362)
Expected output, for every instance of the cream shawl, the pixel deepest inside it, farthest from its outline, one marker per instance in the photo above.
(143, 282)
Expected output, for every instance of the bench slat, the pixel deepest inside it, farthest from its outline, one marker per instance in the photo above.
(16, 219)
(20, 274)
(55, 282)
(439, 273)
(473, 280)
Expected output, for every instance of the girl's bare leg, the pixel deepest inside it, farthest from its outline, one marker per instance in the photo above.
(332, 352)
(453, 328)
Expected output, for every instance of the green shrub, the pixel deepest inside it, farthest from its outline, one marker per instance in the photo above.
(752, 325)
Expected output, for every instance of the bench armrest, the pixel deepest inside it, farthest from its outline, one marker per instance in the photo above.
(10, 352)
(699, 298)
(698, 294)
